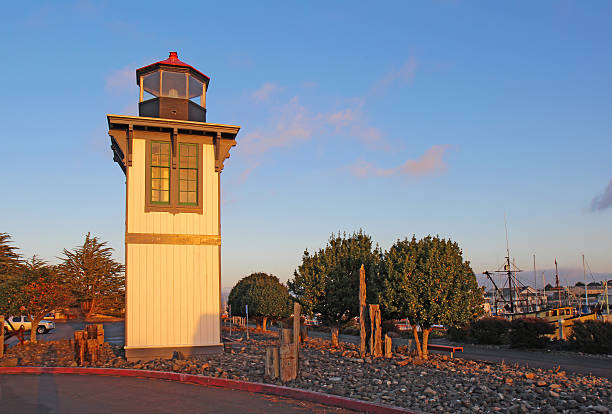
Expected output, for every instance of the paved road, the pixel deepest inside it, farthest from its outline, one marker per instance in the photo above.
(114, 332)
(50, 394)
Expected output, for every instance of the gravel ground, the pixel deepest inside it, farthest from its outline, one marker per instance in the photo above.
(439, 385)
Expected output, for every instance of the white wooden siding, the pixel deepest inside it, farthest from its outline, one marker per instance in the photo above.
(172, 290)
(168, 223)
(172, 295)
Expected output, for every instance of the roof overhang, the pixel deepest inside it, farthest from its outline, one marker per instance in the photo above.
(121, 130)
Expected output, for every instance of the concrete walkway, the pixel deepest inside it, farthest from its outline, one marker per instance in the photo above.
(49, 394)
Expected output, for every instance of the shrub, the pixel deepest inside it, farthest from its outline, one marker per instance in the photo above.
(492, 330)
(388, 326)
(458, 333)
(530, 332)
(593, 337)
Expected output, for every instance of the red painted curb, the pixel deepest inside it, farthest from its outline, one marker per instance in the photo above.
(256, 387)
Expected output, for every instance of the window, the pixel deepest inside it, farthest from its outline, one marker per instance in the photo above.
(160, 172)
(173, 177)
(188, 174)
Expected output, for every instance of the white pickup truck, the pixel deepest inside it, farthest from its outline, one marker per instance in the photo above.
(44, 326)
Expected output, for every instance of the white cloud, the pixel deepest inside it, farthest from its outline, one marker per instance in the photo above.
(291, 123)
(404, 74)
(264, 93)
(431, 162)
(603, 200)
(121, 81)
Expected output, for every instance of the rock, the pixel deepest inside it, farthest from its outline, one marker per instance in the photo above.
(600, 409)
(9, 362)
(554, 394)
(178, 355)
(335, 379)
(429, 391)
(541, 383)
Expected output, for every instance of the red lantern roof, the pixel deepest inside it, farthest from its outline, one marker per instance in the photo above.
(172, 60)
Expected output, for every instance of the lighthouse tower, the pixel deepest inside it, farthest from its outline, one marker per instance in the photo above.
(172, 159)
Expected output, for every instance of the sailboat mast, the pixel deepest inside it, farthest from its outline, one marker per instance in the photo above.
(535, 283)
(557, 282)
(508, 268)
(586, 287)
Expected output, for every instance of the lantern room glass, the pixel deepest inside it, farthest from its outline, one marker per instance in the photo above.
(172, 85)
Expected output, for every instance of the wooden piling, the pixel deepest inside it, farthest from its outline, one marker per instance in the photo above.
(388, 346)
(362, 312)
(100, 333)
(296, 325)
(288, 362)
(286, 336)
(1, 336)
(272, 368)
(375, 331)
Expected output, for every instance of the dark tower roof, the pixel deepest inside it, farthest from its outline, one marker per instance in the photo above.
(172, 62)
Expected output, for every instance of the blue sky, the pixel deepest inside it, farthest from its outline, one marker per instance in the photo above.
(409, 118)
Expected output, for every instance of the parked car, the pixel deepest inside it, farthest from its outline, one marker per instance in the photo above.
(17, 322)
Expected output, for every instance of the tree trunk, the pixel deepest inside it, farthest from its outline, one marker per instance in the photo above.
(425, 338)
(264, 324)
(334, 336)
(417, 342)
(34, 327)
(92, 308)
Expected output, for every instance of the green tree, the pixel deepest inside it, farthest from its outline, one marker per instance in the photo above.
(36, 291)
(266, 296)
(96, 279)
(327, 283)
(10, 260)
(428, 282)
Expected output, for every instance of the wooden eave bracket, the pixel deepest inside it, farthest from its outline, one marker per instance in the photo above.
(173, 138)
(130, 139)
(222, 149)
(118, 146)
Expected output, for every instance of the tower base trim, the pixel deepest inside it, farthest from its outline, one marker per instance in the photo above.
(148, 353)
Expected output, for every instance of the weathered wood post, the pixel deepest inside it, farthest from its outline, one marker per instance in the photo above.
(1, 336)
(388, 346)
(289, 349)
(93, 350)
(272, 369)
(79, 346)
(286, 336)
(375, 331)
(100, 333)
(296, 325)
(288, 362)
(362, 312)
